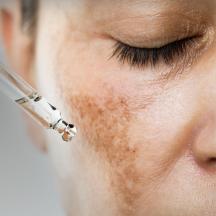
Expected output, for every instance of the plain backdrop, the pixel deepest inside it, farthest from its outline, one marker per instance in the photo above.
(27, 182)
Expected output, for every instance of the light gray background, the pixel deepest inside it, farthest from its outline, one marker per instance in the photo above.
(27, 183)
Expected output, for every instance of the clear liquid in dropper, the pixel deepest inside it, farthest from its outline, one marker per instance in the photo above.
(47, 115)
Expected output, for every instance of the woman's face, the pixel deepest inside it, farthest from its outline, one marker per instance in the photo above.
(137, 78)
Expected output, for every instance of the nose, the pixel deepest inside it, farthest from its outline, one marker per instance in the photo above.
(204, 136)
(204, 145)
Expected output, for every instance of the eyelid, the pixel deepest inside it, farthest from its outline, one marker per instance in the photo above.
(158, 33)
(140, 57)
(162, 46)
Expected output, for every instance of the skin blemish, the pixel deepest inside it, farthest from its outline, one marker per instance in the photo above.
(104, 122)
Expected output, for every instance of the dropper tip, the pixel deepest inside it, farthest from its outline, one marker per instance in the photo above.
(69, 133)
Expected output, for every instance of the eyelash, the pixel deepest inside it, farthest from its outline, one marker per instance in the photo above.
(141, 57)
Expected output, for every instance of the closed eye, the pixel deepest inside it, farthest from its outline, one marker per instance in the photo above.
(141, 57)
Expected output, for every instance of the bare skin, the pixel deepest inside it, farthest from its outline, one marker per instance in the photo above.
(146, 142)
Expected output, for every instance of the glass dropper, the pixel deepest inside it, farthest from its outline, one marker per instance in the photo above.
(34, 104)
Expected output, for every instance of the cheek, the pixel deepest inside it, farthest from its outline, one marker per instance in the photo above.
(129, 129)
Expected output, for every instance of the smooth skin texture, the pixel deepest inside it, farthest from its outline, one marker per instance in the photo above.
(146, 142)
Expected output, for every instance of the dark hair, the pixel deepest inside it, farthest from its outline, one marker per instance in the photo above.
(29, 9)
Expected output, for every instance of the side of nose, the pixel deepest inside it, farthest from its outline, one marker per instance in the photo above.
(204, 145)
(204, 137)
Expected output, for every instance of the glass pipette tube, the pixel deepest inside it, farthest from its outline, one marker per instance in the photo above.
(34, 104)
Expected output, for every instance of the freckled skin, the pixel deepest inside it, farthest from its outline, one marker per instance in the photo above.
(106, 130)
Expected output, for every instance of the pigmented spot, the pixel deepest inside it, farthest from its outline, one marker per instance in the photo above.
(104, 122)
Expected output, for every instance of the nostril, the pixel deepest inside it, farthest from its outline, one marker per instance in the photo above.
(212, 161)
